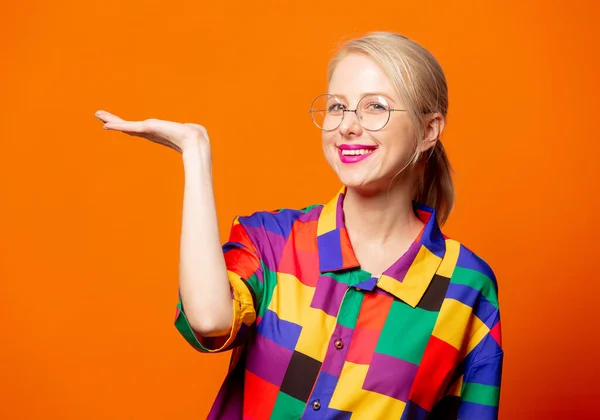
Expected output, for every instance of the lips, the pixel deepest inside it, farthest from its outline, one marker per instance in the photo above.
(356, 147)
(353, 153)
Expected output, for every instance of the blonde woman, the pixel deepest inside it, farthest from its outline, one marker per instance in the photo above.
(360, 307)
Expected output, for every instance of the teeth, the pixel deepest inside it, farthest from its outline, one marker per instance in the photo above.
(356, 152)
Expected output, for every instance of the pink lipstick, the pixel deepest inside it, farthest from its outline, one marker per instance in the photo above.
(352, 153)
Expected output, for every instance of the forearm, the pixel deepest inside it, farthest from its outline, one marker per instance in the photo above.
(203, 282)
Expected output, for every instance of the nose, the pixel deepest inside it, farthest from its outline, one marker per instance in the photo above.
(350, 125)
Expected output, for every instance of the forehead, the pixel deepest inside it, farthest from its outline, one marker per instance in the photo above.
(357, 74)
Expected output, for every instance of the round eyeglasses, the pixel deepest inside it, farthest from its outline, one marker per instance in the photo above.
(372, 112)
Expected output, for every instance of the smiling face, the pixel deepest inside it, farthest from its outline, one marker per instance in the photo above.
(381, 154)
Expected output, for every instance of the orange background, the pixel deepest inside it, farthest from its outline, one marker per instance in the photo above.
(90, 219)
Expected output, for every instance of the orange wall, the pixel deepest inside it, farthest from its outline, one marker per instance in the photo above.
(90, 219)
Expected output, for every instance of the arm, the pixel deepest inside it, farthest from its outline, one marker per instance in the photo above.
(203, 279)
(475, 390)
(203, 282)
(480, 393)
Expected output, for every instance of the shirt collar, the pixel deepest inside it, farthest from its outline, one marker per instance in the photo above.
(409, 277)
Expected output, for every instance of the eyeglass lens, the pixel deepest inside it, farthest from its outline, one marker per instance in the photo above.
(372, 111)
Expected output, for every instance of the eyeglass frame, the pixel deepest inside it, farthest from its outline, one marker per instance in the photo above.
(351, 110)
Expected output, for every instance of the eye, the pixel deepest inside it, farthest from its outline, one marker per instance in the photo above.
(335, 108)
(377, 106)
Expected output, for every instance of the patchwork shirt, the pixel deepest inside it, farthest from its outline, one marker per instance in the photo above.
(314, 336)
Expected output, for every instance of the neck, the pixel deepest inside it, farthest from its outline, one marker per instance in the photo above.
(381, 217)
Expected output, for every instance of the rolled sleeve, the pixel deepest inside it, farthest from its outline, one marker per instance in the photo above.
(244, 270)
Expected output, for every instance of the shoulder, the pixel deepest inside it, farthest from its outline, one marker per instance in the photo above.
(279, 222)
(472, 271)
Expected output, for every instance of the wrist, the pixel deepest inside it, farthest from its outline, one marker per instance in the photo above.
(197, 156)
(194, 150)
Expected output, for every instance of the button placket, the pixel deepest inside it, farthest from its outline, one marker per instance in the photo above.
(336, 355)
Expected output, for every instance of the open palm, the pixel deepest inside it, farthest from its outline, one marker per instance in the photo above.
(175, 135)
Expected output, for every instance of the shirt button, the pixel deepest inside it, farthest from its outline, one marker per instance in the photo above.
(316, 405)
(339, 344)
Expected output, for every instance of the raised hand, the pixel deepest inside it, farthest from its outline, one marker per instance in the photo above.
(177, 136)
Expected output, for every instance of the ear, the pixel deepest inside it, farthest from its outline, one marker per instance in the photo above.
(432, 131)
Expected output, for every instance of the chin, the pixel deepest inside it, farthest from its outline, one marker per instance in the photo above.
(363, 182)
(360, 183)
(354, 182)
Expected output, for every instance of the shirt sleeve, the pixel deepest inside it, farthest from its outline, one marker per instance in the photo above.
(474, 393)
(480, 391)
(245, 274)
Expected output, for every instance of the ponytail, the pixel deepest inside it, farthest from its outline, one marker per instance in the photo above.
(435, 187)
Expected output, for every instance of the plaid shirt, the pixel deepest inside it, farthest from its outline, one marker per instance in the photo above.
(316, 337)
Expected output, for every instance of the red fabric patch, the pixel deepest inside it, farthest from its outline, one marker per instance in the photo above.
(423, 216)
(300, 257)
(434, 374)
(362, 346)
(259, 397)
(348, 257)
(304, 265)
(496, 333)
(242, 262)
(304, 235)
(239, 234)
(374, 311)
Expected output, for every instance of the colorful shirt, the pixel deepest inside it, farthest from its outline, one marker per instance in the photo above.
(314, 336)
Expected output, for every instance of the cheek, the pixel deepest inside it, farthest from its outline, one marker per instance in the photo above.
(401, 137)
(328, 142)
(328, 137)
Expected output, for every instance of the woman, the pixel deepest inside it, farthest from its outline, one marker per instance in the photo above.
(360, 308)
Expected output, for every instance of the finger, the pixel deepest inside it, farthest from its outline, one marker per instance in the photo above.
(105, 116)
(131, 127)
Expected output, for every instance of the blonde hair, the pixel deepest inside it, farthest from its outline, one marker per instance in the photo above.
(421, 85)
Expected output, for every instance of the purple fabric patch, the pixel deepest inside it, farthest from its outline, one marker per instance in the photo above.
(339, 212)
(270, 245)
(390, 376)
(399, 269)
(328, 295)
(268, 360)
(312, 215)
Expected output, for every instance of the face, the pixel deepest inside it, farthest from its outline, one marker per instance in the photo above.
(386, 151)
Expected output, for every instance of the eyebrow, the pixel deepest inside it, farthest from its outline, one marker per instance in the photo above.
(341, 96)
